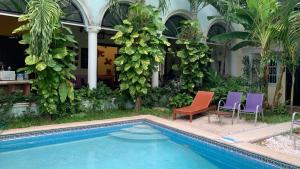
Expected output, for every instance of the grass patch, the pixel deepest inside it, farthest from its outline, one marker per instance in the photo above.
(38, 121)
(270, 118)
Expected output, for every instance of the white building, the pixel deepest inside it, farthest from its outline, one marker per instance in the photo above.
(93, 24)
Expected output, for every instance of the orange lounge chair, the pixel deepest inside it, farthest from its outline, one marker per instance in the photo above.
(200, 104)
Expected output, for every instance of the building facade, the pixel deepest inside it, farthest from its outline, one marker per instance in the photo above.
(93, 23)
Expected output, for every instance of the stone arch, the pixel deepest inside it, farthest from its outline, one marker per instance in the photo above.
(173, 22)
(86, 16)
(17, 7)
(180, 12)
(220, 52)
(109, 19)
(219, 22)
(104, 10)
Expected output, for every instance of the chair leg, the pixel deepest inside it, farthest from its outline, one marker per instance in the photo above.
(233, 112)
(191, 118)
(291, 130)
(262, 114)
(238, 116)
(294, 143)
(255, 118)
(292, 125)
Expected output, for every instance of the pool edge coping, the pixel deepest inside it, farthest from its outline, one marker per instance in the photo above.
(188, 130)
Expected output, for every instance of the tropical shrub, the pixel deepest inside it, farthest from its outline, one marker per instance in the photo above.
(279, 109)
(48, 54)
(142, 49)
(160, 96)
(180, 100)
(7, 102)
(98, 99)
(234, 84)
(212, 79)
(193, 56)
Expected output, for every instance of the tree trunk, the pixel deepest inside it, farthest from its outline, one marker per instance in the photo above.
(278, 92)
(138, 104)
(265, 75)
(265, 84)
(292, 91)
(224, 62)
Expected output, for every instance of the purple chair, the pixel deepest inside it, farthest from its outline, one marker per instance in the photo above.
(233, 100)
(294, 122)
(254, 104)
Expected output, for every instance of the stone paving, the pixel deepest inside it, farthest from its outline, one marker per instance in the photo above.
(272, 136)
(283, 143)
(242, 131)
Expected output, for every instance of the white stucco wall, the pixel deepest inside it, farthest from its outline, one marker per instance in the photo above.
(94, 10)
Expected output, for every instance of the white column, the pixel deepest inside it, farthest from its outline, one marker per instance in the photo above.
(92, 55)
(155, 79)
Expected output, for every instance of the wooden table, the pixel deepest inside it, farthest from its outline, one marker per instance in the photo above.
(10, 86)
(220, 114)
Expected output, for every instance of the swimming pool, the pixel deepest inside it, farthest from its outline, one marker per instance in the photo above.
(138, 144)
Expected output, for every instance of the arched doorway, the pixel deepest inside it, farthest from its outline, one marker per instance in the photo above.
(107, 49)
(219, 50)
(12, 53)
(16, 7)
(173, 28)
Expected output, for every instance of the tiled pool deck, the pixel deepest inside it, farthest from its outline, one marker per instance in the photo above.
(242, 133)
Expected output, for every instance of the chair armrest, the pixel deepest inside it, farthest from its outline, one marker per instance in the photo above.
(241, 106)
(257, 107)
(294, 115)
(221, 102)
(236, 105)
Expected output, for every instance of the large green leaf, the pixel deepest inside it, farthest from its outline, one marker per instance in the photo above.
(60, 53)
(244, 44)
(41, 66)
(63, 92)
(31, 60)
(231, 36)
(71, 92)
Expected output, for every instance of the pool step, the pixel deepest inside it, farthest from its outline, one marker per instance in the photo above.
(142, 126)
(138, 137)
(136, 130)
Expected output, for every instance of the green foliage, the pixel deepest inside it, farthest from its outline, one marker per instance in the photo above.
(142, 48)
(193, 55)
(251, 71)
(221, 86)
(7, 101)
(255, 16)
(181, 100)
(212, 79)
(160, 96)
(280, 109)
(100, 98)
(48, 55)
(89, 116)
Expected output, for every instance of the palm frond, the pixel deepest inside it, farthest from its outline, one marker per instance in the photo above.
(44, 15)
(243, 44)
(231, 36)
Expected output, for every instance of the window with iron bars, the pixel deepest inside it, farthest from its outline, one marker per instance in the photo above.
(272, 72)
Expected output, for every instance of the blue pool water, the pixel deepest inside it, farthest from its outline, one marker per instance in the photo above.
(126, 146)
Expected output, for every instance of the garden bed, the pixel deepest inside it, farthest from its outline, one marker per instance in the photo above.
(282, 143)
